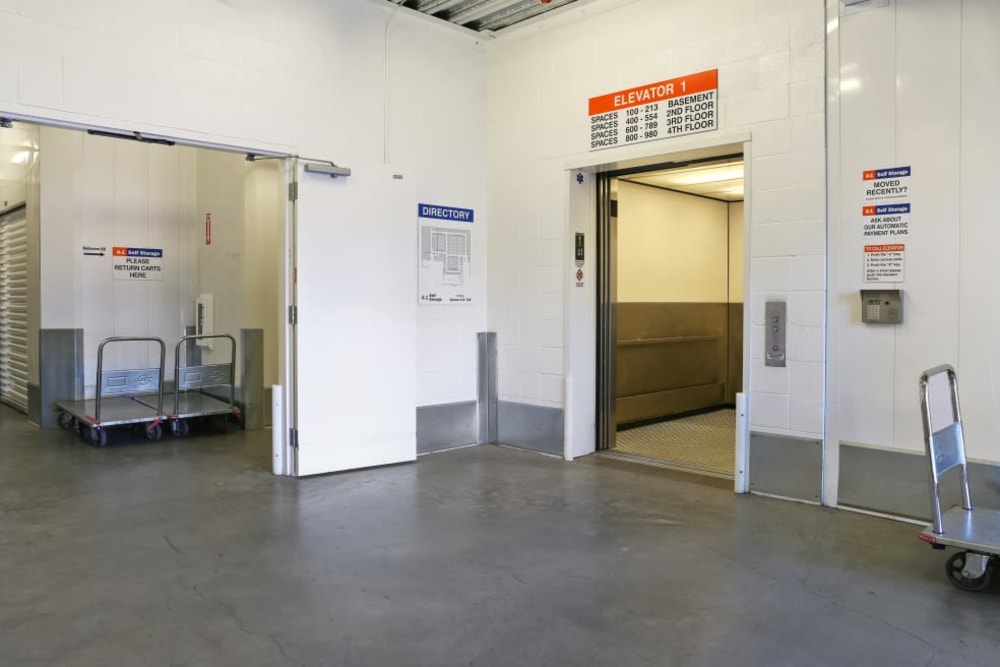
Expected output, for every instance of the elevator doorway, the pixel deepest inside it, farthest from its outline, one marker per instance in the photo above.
(671, 325)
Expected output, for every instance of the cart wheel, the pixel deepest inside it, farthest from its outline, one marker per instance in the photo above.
(180, 428)
(83, 430)
(154, 433)
(66, 420)
(98, 437)
(954, 571)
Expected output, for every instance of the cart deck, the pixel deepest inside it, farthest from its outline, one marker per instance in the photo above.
(977, 530)
(115, 410)
(188, 405)
(123, 396)
(188, 400)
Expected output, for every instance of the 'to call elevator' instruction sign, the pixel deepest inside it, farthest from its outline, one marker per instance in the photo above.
(672, 108)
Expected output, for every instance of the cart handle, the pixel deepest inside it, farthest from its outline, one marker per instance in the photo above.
(232, 365)
(950, 452)
(100, 367)
(925, 378)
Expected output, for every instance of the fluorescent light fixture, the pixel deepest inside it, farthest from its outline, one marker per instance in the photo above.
(331, 170)
(21, 158)
(708, 174)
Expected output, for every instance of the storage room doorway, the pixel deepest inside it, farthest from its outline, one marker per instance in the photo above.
(154, 239)
(671, 337)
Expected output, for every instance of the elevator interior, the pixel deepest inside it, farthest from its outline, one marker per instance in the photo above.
(674, 313)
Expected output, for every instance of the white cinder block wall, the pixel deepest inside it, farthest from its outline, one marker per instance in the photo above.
(101, 192)
(770, 57)
(346, 80)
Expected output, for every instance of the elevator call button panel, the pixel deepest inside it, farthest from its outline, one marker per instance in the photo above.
(775, 326)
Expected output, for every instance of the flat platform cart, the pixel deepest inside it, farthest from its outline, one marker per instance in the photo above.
(975, 532)
(123, 397)
(189, 400)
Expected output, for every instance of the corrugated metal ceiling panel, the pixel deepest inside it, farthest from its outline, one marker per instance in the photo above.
(483, 15)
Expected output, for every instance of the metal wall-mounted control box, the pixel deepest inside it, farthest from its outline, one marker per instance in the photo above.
(774, 333)
(882, 306)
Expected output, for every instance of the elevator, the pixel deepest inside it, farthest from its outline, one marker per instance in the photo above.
(670, 358)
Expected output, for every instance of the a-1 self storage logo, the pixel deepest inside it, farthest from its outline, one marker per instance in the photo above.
(886, 184)
(137, 263)
(894, 172)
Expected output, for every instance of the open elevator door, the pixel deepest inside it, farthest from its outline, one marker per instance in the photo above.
(355, 303)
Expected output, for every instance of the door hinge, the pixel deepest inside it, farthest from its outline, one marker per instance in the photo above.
(293, 191)
(293, 314)
(293, 438)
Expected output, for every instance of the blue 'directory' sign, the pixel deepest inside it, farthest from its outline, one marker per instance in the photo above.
(445, 213)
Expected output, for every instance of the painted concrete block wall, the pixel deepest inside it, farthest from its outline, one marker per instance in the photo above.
(101, 193)
(672, 247)
(348, 80)
(770, 57)
(263, 214)
(237, 264)
(222, 265)
(916, 89)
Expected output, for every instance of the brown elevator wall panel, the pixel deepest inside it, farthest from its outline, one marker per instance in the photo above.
(666, 403)
(672, 364)
(671, 358)
(642, 321)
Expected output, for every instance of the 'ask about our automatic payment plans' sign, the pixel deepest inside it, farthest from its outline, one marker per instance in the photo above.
(671, 108)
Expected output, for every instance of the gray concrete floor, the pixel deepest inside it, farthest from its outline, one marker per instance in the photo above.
(189, 552)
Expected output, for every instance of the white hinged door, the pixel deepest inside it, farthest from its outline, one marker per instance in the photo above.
(355, 336)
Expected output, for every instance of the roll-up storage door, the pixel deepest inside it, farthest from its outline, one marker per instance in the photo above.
(14, 309)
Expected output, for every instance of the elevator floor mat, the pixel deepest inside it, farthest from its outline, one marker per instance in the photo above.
(700, 443)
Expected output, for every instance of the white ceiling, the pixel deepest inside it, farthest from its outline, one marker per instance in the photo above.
(718, 180)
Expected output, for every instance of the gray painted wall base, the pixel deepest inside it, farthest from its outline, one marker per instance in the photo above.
(252, 378)
(264, 410)
(34, 403)
(447, 426)
(896, 482)
(60, 372)
(786, 466)
(487, 386)
(533, 427)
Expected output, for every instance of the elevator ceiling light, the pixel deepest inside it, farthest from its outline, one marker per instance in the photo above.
(706, 174)
(719, 180)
